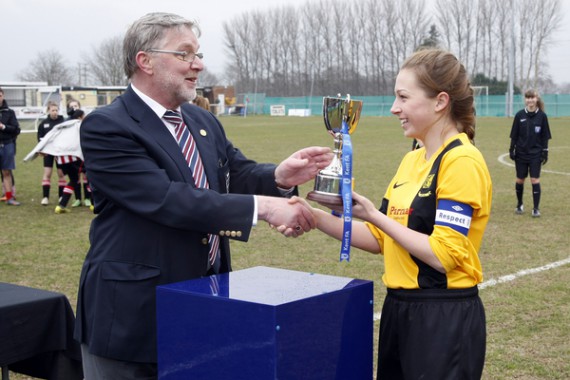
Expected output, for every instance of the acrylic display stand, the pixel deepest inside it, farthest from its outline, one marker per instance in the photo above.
(265, 323)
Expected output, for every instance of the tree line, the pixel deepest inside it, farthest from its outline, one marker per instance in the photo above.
(326, 47)
(102, 66)
(331, 46)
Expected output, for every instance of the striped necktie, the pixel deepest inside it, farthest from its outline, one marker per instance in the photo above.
(192, 156)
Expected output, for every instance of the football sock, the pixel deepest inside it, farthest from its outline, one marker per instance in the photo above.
(67, 192)
(536, 194)
(46, 188)
(61, 185)
(519, 187)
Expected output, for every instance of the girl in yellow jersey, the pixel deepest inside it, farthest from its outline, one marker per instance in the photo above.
(429, 229)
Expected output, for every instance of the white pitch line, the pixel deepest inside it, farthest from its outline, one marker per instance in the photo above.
(524, 272)
(512, 277)
(503, 160)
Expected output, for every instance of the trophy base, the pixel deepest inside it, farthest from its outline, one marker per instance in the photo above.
(331, 201)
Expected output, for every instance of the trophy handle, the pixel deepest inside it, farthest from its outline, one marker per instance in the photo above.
(353, 114)
(337, 110)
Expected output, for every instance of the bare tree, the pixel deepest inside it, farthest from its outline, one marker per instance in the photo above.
(325, 79)
(389, 13)
(286, 46)
(376, 42)
(358, 45)
(48, 66)
(456, 19)
(331, 46)
(105, 63)
(263, 54)
(237, 41)
(341, 26)
(406, 24)
(501, 31)
(525, 37)
(539, 21)
(207, 78)
(418, 21)
(311, 28)
(484, 61)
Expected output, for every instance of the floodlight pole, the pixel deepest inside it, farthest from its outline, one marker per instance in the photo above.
(510, 94)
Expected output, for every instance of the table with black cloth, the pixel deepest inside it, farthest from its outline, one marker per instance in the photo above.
(36, 334)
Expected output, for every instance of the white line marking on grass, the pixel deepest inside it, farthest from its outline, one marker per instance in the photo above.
(524, 272)
(505, 160)
(511, 277)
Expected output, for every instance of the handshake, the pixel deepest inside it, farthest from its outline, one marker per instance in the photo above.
(291, 217)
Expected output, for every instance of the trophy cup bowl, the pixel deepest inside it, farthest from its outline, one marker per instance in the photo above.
(327, 189)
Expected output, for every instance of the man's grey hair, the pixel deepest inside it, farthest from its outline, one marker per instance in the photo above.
(147, 32)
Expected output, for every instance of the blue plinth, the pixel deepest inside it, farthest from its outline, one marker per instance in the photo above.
(265, 323)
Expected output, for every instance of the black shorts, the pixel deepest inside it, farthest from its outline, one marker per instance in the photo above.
(432, 334)
(72, 168)
(525, 168)
(49, 160)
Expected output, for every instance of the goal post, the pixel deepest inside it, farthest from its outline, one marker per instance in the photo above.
(481, 94)
(29, 101)
(480, 90)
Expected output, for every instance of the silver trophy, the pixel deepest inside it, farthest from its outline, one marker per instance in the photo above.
(327, 190)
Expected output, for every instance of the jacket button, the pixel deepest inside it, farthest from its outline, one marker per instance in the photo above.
(222, 232)
(205, 241)
(238, 234)
(234, 234)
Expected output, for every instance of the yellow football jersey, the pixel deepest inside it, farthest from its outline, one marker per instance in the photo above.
(447, 197)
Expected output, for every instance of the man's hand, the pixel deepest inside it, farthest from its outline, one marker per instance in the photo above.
(293, 218)
(302, 166)
(512, 154)
(544, 157)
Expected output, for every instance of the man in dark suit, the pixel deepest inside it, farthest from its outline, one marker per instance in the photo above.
(156, 223)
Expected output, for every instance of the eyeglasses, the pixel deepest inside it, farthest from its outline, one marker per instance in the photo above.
(181, 55)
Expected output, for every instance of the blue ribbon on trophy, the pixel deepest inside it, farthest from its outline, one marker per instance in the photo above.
(333, 184)
(346, 192)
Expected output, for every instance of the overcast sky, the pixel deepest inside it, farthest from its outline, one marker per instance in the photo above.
(75, 27)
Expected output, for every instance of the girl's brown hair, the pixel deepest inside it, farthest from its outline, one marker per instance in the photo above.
(532, 94)
(440, 71)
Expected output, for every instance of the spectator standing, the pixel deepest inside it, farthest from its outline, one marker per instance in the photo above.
(71, 166)
(44, 127)
(72, 106)
(529, 148)
(83, 183)
(203, 102)
(9, 131)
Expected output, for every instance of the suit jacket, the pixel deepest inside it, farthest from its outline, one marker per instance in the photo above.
(152, 223)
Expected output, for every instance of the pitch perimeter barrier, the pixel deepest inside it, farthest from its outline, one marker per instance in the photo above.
(557, 105)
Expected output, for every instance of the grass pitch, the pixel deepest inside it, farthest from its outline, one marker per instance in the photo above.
(528, 318)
